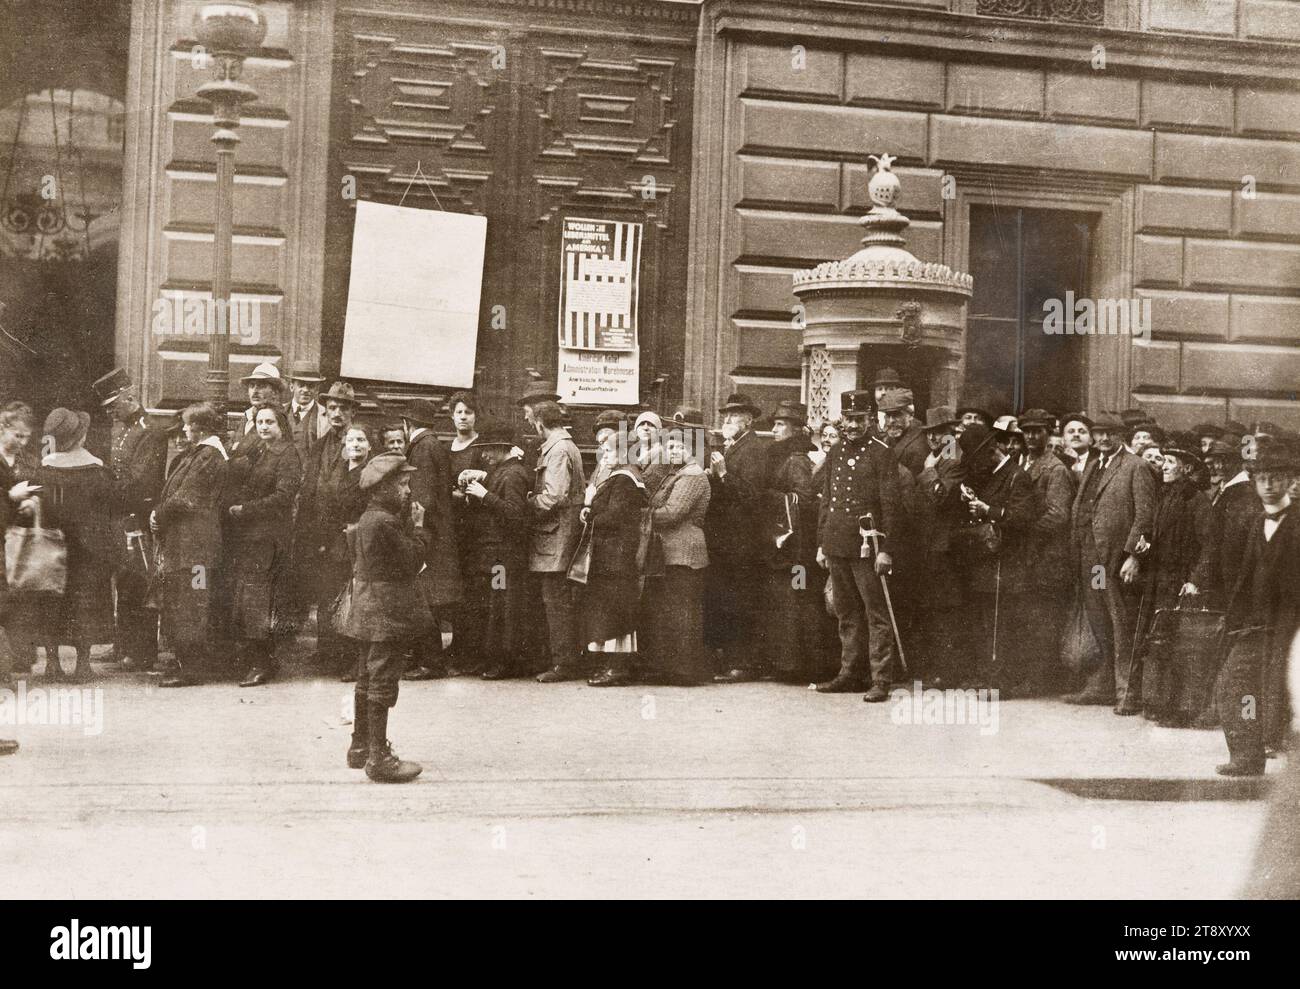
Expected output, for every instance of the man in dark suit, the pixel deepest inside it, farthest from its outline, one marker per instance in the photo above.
(902, 433)
(1112, 520)
(734, 536)
(861, 478)
(431, 486)
(1236, 507)
(1263, 618)
(138, 463)
(307, 415)
(998, 579)
(1050, 551)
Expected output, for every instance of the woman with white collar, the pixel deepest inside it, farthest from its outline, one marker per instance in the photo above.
(187, 523)
(75, 498)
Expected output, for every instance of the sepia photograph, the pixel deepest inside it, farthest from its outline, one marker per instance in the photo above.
(651, 450)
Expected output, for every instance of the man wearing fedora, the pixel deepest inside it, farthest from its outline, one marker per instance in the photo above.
(1263, 617)
(388, 613)
(861, 479)
(496, 547)
(901, 433)
(307, 415)
(972, 409)
(139, 462)
(431, 486)
(1112, 519)
(886, 380)
(324, 460)
(734, 537)
(1049, 550)
(556, 503)
(938, 584)
(266, 389)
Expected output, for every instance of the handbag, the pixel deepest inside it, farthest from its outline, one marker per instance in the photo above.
(36, 559)
(580, 562)
(341, 610)
(650, 550)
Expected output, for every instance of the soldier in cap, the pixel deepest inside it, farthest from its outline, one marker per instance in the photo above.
(861, 479)
(387, 613)
(1263, 617)
(138, 463)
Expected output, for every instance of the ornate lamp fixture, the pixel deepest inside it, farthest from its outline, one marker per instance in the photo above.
(229, 32)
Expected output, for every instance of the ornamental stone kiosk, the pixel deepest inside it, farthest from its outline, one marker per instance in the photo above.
(882, 308)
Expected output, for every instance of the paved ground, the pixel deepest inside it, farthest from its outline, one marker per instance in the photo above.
(565, 790)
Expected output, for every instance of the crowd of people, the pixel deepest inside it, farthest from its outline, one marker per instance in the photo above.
(1041, 554)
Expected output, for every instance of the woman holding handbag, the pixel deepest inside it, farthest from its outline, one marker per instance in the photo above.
(672, 629)
(612, 594)
(258, 538)
(76, 491)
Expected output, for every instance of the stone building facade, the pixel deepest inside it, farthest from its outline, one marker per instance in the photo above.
(1113, 149)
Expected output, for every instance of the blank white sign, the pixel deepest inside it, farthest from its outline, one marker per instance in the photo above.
(413, 295)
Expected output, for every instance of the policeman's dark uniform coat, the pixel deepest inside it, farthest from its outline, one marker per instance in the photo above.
(861, 478)
(139, 464)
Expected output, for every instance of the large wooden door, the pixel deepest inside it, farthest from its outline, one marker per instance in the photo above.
(524, 117)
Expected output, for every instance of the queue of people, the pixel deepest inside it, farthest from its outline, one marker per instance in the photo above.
(1044, 554)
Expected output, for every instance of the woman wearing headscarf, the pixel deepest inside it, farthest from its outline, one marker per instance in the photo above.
(797, 630)
(649, 455)
(76, 492)
(611, 597)
(187, 524)
(672, 625)
(1179, 569)
(259, 540)
(340, 503)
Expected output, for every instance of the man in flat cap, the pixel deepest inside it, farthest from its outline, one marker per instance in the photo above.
(861, 479)
(388, 613)
(1112, 521)
(902, 434)
(1049, 554)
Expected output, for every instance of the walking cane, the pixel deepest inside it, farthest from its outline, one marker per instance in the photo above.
(997, 599)
(871, 538)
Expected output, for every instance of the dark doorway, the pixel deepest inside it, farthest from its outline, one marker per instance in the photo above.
(1020, 258)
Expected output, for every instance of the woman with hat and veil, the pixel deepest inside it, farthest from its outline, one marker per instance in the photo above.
(76, 492)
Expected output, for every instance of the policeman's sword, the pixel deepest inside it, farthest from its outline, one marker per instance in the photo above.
(871, 537)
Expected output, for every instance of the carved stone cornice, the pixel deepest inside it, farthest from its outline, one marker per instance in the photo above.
(1022, 42)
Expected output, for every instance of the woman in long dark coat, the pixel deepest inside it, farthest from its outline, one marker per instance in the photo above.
(17, 423)
(187, 523)
(76, 491)
(612, 595)
(796, 627)
(1178, 569)
(672, 630)
(259, 540)
(340, 503)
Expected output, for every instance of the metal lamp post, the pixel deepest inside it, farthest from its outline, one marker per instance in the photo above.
(229, 33)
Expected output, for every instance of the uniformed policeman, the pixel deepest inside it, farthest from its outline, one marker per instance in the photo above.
(138, 463)
(861, 480)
